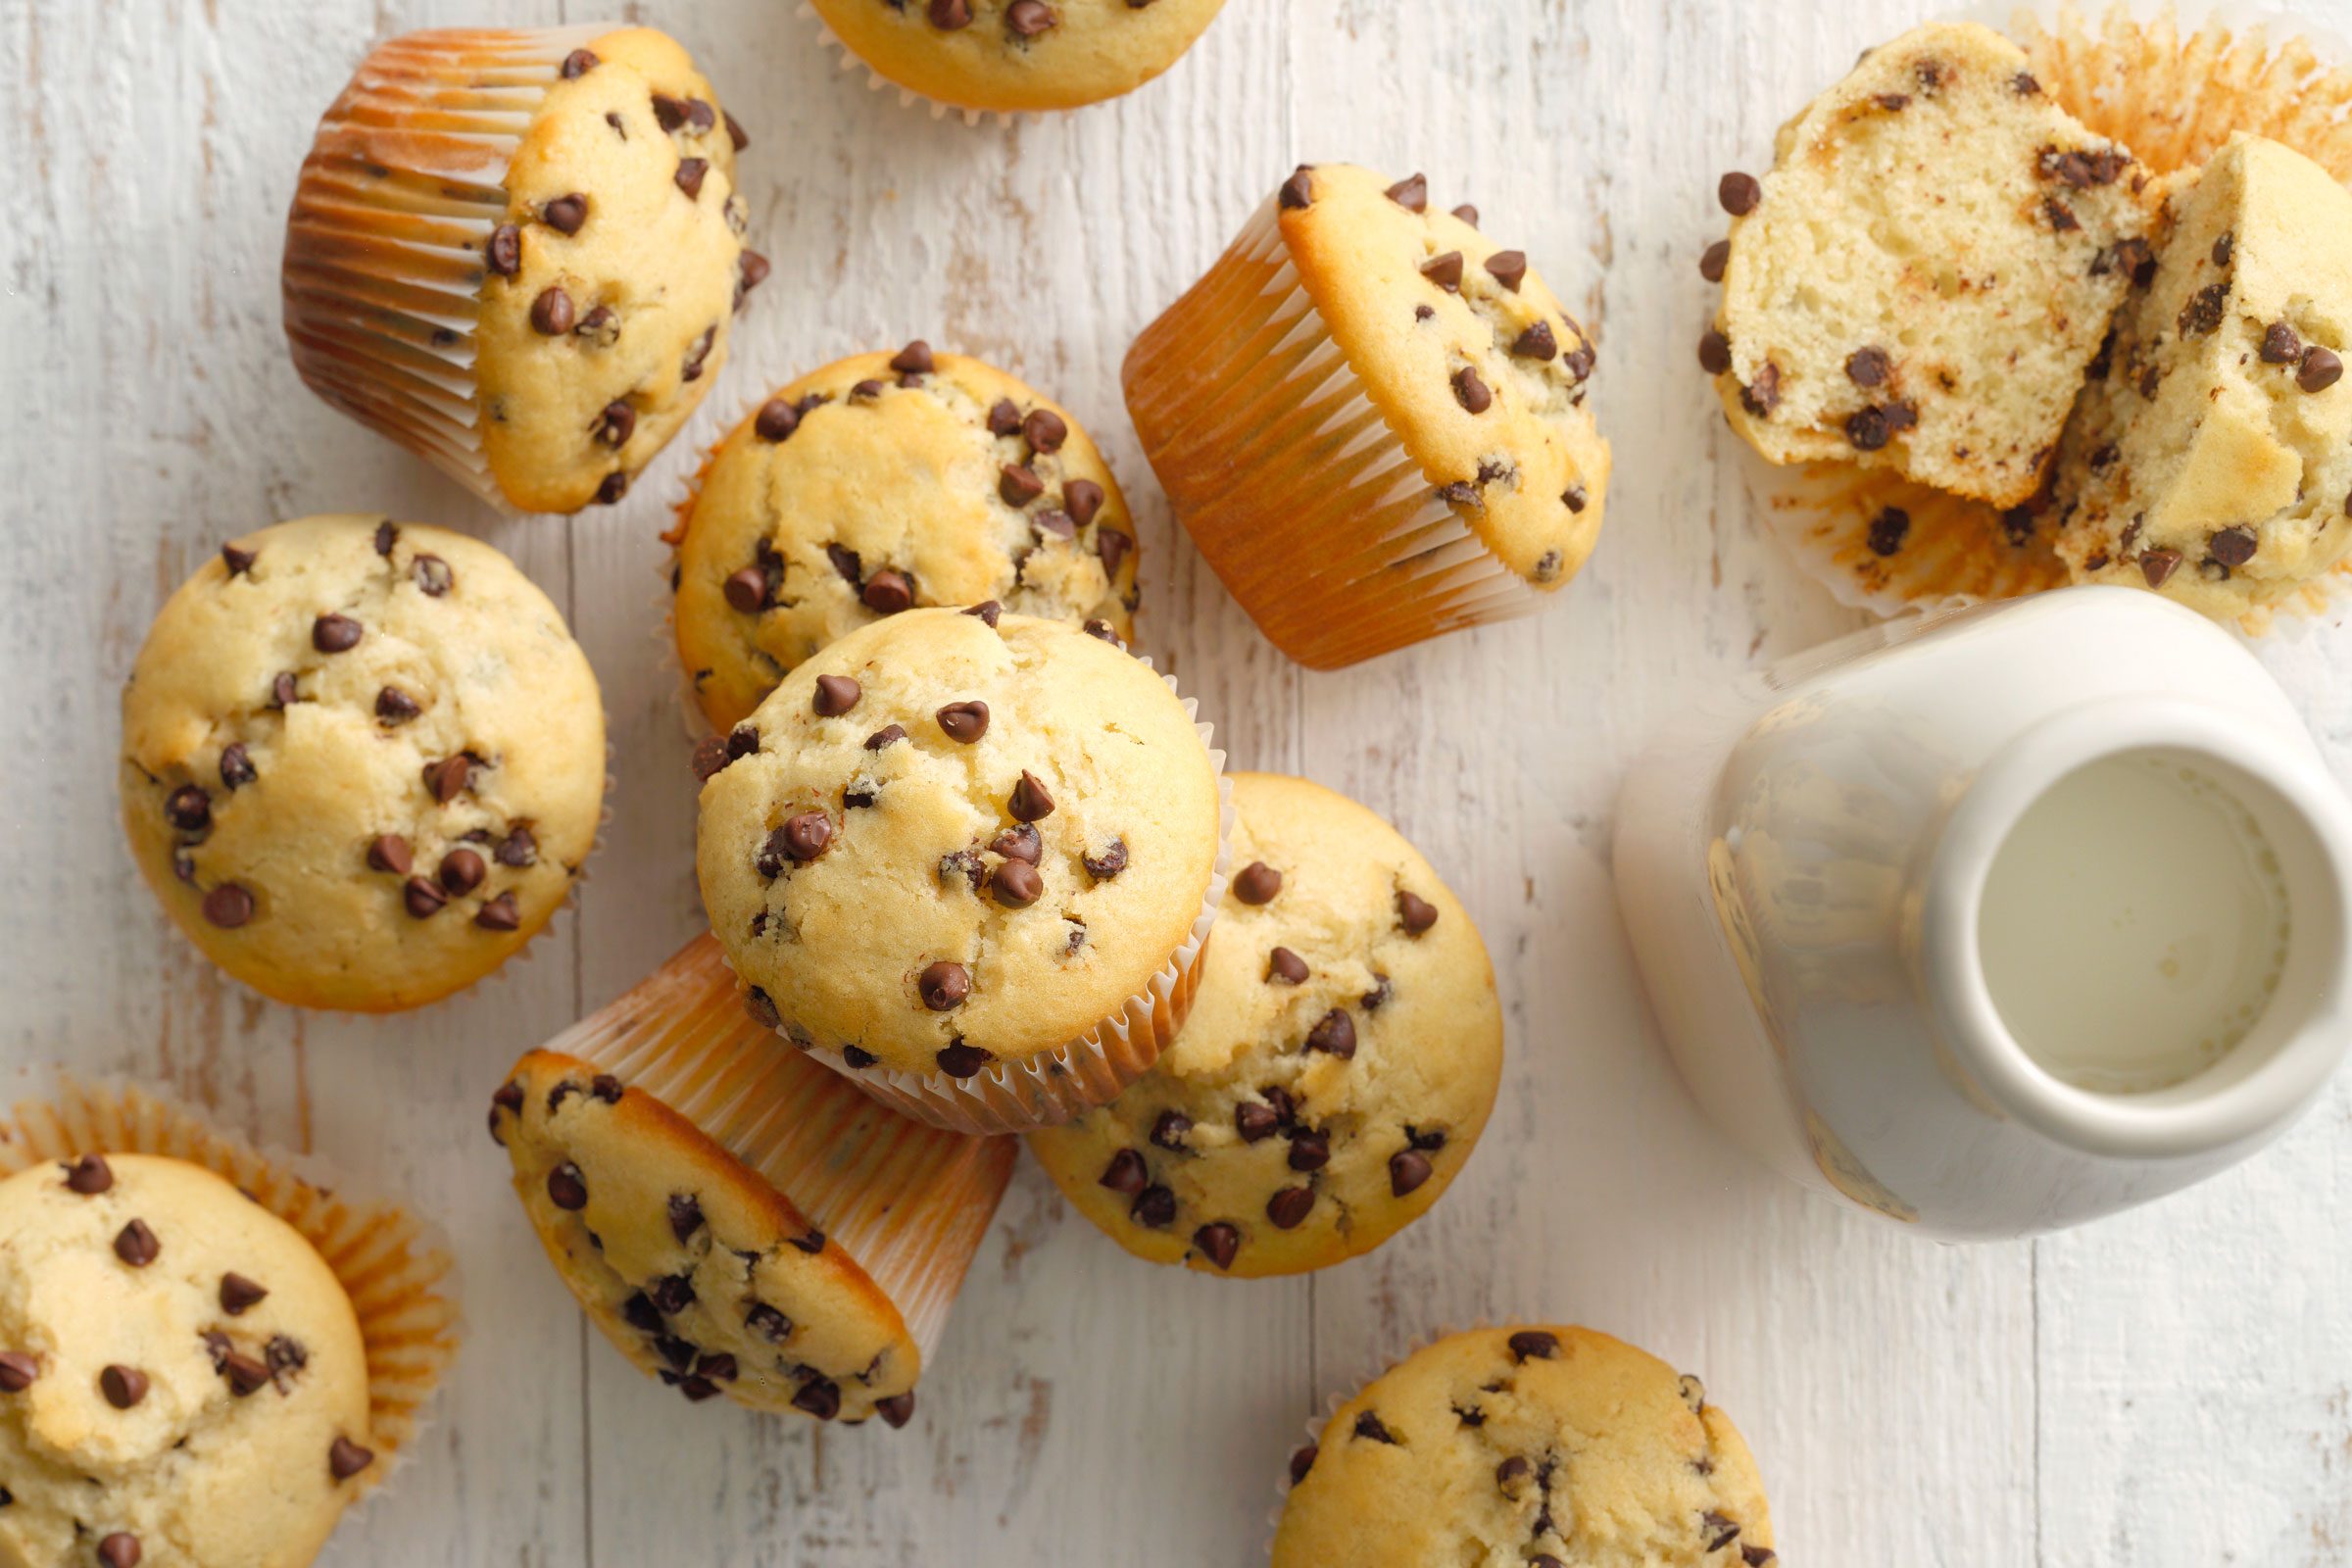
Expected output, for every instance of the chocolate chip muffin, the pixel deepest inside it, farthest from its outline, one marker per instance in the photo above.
(879, 483)
(1922, 278)
(1339, 1063)
(168, 1346)
(1413, 455)
(362, 761)
(2212, 458)
(584, 181)
(968, 857)
(1543, 1447)
(1012, 55)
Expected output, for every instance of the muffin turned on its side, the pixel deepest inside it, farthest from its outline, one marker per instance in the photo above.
(1337, 1069)
(362, 761)
(182, 1380)
(886, 482)
(1539, 1447)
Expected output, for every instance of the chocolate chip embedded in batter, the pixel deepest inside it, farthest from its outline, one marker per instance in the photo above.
(1109, 864)
(960, 1059)
(1536, 343)
(239, 1294)
(887, 735)
(986, 613)
(566, 1188)
(803, 837)
(1509, 267)
(1082, 499)
(887, 592)
(1026, 18)
(1054, 523)
(1713, 260)
(462, 870)
(1334, 1035)
(2232, 547)
(1512, 1475)
(236, 767)
(668, 112)
(836, 695)
(1289, 1208)
(421, 897)
(1303, 1461)
(2203, 311)
(1016, 885)
(137, 1244)
(1044, 430)
(1370, 1426)
(331, 633)
(389, 852)
(820, 1398)
(1309, 1149)
(432, 575)
(616, 423)
(964, 721)
(552, 313)
(746, 591)
(565, 213)
(1738, 193)
(1171, 1129)
(1445, 270)
(521, 847)
(346, 1458)
(1020, 842)
(1868, 366)
(246, 1375)
(1018, 485)
(698, 355)
(1714, 352)
(611, 488)
(1763, 394)
(1220, 1243)
(396, 707)
(1411, 194)
(578, 63)
(90, 1176)
(944, 985)
(769, 1323)
(690, 175)
(18, 1371)
(912, 360)
(2320, 370)
(2281, 345)
(1533, 1345)
(1414, 912)
(1126, 1173)
(122, 1385)
(504, 253)
(1257, 883)
(775, 421)
(1030, 801)
(2158, 566)
(190, 808)
(120, 1550)
(1255, 1124)
(1717, 1531)
(229, 905)
(896, 1410)
(1758, 1557)
(1154, 1207)
(1888, 530)
(1297, 192)
(1286, 966)
(1004, 418)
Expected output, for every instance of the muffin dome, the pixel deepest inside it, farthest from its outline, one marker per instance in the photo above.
(165, 1345)
(1339, 1063)
(1017, 54)
(883, 482)
(362, 761)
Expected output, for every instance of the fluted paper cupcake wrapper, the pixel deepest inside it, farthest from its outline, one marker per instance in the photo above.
(1249, 410)
(398, 197)
(2173, 92)
(875, 82)
(908, 1203)
(396, 1268)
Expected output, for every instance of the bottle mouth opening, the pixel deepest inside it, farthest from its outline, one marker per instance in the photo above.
(2136, 933)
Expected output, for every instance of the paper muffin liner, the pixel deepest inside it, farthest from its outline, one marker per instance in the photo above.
(2172, 93)
(1248, 409)
(383, 271)
(851, 61)
(397, 1268)
(908, 1203)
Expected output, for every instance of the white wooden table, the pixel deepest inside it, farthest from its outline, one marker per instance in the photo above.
(2174, 1387)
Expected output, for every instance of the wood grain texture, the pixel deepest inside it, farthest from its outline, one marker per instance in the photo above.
(2174, 1387)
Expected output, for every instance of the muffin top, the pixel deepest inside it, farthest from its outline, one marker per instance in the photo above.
(881, 482)
(1013, 54)
(2212, 458)
(1536, 1445)
(1920, 278)
(1475, 366)
(1340, 1061)
(607, 290)
(167, 1344)
(700, 1272)
(958, 838)
(362, 761)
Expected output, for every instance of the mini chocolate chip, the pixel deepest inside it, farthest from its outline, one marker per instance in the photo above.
(2158, 566)
(1028, 18)
(690, 175)
(462, 870)
(887, 592)
(1004, 418)
(616, 423)
(1369, 1425)
(1018, 485)
(1533, 1345)
(1867, 429)
(1030, 801)
(1220, 1243)
(1254, 1122)
(1303, 1461)
(1718, 1531)
(1408, 1168)
(1333, 1034)
(565, 213)
(576, 65)
(344, 1457)
(137, 1244)
(1059, 524)
(190, 808)
(1712, 259)
(1751, 1556)
(964, 721)
(2322, 369)
(236, 767)
(1888, 530)
(749, 273)
(1738, 193)
(1016, 884)
(770, 1324)
(122, 1385)
(614, 486)
(836, 695)
(1411, 194)
(912, 360)
(1257, 883)
(1868, 366)
(229, 905)
(1171, 1129)
(1714, 352)
(746, 591)
(698, 354)
(775, 421)
(897, 1410)
(1297, 192)
(2203, 311)
(1414, 912)
(1044, 430)
(504, 253)
(2224, 248)
(246, 1375)
(700, 115)
(551, 314)
(1126, 1173)
(396, 707)
(17, 1371)
(885, 736)
(422, 899)
(331, 633)
(2232, 547)
(239, 1294)
(719, 1367)
(1309, 1151)
(89, 1175)
(1509, 267)
(1286, 966)
(432, 575)
(961, 1060)
(1289, 1208)
(685, 1215)
(2281, 345)
(1536, 343)
(1154, 1206)
(1020, 842)
(521, 847)
(1109, 864)
(565, 1188)
(1512, 1471)
(820, 1398)
(119, 1550)
(1445, 270)
(944, 985)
